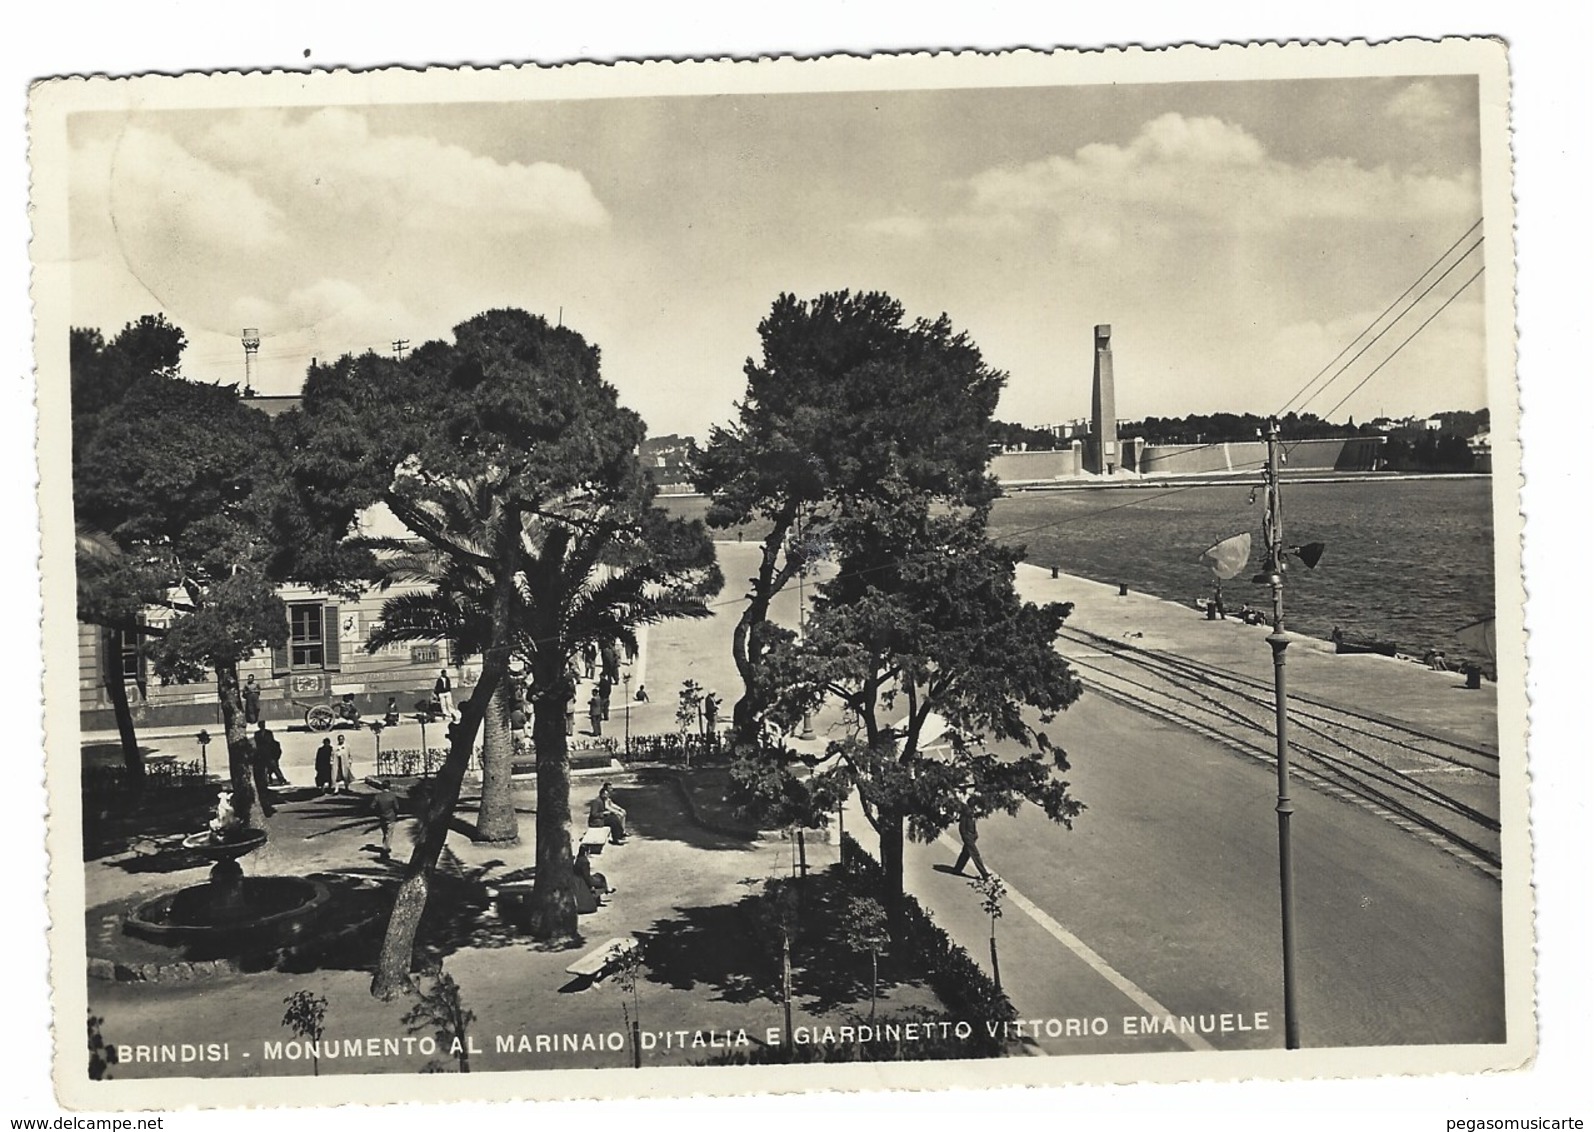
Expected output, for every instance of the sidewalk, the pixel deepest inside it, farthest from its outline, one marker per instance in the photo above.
(1388, 686)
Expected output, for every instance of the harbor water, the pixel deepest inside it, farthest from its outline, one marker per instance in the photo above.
(1407, 560)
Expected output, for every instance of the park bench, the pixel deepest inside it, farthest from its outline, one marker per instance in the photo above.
(594, 837)
(599, 963)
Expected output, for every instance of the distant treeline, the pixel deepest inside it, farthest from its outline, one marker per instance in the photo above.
(1413, 445)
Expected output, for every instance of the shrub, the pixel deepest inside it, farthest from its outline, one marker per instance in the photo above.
(957, 979)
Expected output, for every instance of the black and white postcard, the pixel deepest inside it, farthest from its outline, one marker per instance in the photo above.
(704, 578)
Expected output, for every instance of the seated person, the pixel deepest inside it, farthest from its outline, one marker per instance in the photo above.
(606, 792)
(346, 711)
(641, 693)
(591, 887)
(601, 813)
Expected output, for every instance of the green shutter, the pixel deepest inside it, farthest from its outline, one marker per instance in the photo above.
(280, 664)
(330, 639)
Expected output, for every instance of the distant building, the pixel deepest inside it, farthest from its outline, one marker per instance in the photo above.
(666, 459)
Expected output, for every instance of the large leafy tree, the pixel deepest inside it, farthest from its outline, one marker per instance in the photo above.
(513, 413)
(847, 394)
(921, 629)
(182, 492)
(113, 589)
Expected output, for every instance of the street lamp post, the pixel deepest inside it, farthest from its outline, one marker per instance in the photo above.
(802, 572)
(1273, 532)
(626, 680)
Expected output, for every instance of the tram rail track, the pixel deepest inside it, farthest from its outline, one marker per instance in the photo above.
(1437, 787)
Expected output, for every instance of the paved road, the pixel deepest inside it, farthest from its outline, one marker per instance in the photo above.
(1171, 878)
(1165, 895)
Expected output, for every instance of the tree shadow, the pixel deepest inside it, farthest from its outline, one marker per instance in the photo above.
(655, 809)
(165, 854)
(736, 950)
(114, 824)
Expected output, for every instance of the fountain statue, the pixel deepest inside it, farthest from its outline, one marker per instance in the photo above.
(229, 910)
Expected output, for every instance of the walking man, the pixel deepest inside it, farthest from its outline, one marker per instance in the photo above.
(595, 712)
(969, 832)
(444, 691)
(385, 803)
(269, 752)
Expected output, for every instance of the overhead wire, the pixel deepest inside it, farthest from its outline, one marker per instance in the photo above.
(1260, 464)
(1414, 284)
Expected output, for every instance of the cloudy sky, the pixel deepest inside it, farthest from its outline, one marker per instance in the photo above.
(1235, 235)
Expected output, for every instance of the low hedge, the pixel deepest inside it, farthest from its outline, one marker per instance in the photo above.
(969, 993)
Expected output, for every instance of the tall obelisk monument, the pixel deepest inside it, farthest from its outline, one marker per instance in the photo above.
(1103, 409)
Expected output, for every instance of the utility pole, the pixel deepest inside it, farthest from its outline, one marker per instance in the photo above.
(1273, 536)
(399, 346)
(807, 731)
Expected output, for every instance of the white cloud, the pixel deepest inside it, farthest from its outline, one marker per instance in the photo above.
(161, 193)
(1418, 104)
(334, 311)
(298, 222)
(332, 161)
(1440, 368)
(1208, 172)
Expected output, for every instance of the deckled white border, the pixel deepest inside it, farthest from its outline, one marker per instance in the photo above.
(1493, 274)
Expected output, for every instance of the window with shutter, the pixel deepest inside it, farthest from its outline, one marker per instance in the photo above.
(307, 626)
(331, 652)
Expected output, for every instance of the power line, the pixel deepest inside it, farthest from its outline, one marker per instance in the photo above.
(1392, 324)
(1456, 294)
(1381, 314)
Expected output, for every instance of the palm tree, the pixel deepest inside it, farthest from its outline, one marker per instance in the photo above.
(593, 575)
(587, 573)
(476, 537)
(108, 599)
(456, 608)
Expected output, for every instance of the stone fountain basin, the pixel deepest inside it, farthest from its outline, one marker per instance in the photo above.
(216, 919)
(205, 844)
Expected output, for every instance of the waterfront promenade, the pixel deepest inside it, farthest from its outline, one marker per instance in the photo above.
(1162, 899)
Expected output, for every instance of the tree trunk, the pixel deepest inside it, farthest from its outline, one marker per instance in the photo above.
(553, 891)
(785, 982)
(889, 824)
(746, 714)
(398, 945)
(245, 777)
(495, 820)
(116, 689)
